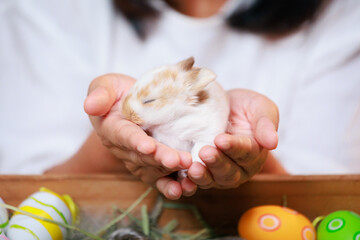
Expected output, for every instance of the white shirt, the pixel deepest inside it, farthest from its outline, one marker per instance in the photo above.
(51, 50)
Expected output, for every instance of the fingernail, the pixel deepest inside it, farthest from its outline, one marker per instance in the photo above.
(95, 103)
(196, 176)
(197, 172)
(225, 145)
(207, 155)
(99, 94)
(186, 159)
(146, 147)
(273, 139)
(171, 160)
(173, 193)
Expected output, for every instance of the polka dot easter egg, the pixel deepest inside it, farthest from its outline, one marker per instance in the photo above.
(270, 222)
(344, 225)
(46, 204)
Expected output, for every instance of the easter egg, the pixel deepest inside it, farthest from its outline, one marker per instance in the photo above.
(2, 236)
(46, 204)
(4, 217)
(4, 221)
(344, 225)
(271, 222)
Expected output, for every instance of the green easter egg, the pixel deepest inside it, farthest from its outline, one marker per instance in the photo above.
(340, 225)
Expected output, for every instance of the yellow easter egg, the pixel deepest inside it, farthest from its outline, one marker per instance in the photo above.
(271, 222)
(46, 204)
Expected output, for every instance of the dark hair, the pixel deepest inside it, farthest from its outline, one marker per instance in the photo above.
(274, 16)
(269, 17)
(136, 12)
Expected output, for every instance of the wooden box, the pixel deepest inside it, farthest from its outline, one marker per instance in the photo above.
(221, 209)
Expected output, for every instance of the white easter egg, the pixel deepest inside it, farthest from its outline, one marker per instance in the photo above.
(50, 203)
(4, 217)
(2, 236)
(46, 204)
(24, 227)
(2, 233)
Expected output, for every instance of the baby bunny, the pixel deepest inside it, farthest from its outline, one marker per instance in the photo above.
(180, 105)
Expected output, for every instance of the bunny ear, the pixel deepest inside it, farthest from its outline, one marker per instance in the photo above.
(199, 78)
(186, 64)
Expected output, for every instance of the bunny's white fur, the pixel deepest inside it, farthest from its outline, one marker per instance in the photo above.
(181, 106)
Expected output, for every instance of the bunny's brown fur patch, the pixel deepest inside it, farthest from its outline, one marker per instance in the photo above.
(167, 92)
(143, 93)
(202, 96)
(129, 113)
(199, 98)
(167, 74)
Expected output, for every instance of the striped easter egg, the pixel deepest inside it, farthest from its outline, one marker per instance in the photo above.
(47, 204)
(2, 236)
(4, 221)
(4, 217)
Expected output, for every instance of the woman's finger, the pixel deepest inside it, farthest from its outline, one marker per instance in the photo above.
(168, 157)
(104, 91)
(188, 187)
(99, 101)
(241, 149)
(170, 188)
(265, 121)
(255, 113)
(171, 158)
(225, 172)
(265, 133)
(199, 174)
(125, 134)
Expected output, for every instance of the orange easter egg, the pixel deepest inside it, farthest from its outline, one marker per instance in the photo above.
(271, 222)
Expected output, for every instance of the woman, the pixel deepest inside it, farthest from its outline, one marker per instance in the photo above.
(295, 60)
